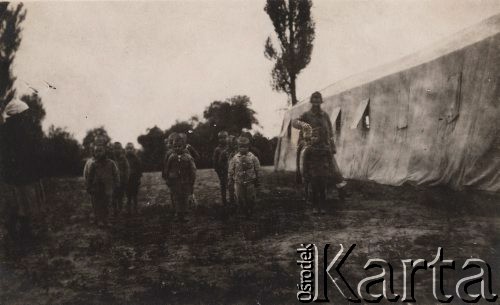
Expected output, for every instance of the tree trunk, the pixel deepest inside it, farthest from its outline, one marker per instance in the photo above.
(293, 94)
(291, 51)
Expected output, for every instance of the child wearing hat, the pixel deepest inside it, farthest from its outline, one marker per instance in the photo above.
(243, 176)
(180, 174)
(103, 178)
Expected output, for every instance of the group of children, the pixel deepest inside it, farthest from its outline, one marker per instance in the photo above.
(110, 175)
(110, 178)
(236, 167)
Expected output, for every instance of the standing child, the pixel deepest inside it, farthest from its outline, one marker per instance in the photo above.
(124, 170)
(227, 155)
(317, 170)
(134, 179)
(86, 170)
(243, 177)
(180, 174)
(103, 178)
(219, 162)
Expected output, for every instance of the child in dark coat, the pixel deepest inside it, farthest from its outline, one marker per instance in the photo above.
(180, 174)
(220, 164)
(103, 179)
(124, 170)
(317, 170)
(134, 179)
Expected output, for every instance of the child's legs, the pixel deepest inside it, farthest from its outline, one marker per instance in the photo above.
(180, 202)
(319, 192)
(250, 195)
(240, 194)
(101, 205)
(314, 195)
(11, 220)
(132, 191)
(118, 199)
(96, 206)
(223, 186)
(322, 197)
(172, 199)
(318, 188)
(135, 199)
(105, 207)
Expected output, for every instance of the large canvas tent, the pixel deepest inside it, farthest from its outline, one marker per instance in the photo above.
(429, 118)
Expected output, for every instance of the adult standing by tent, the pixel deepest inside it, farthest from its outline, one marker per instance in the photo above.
(318, 120)
(20, 170)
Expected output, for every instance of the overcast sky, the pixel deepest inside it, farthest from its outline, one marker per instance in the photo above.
(132, 65)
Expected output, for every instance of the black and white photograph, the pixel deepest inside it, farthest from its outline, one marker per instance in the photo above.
(250, 152)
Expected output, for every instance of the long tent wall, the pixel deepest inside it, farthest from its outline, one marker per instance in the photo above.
(430, 118)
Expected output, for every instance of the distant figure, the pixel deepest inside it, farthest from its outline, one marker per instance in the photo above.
(316, 170)
(220, 163)
(232, 148)
(254, 150)
(169, 145)
(20, 170)
(180, 175)
(134, 180)
(243, 177)
(86, 170)
(124, 170)
(103, 179)
(190, 149)
(99, 140)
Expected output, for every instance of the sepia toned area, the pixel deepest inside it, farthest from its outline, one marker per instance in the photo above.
(432, 116)
(183, 152)
(219, 258)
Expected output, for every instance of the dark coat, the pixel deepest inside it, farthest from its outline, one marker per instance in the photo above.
(135, 168)
(317, 162)
(20, 150)
(180, 169)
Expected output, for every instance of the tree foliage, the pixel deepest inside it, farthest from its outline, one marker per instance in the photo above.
(153, 149)
(62, 154)
(232, 115)
(90, 137)
(37, 112)
(10, 39)
(294, 28)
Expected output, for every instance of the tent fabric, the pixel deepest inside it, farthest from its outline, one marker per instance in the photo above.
(335, 114)
(358, 115)
(432, 123)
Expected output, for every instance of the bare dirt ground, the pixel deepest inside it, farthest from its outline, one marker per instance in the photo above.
(221, 258)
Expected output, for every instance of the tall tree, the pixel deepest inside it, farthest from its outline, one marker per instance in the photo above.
(11, 18)
(294, 29)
